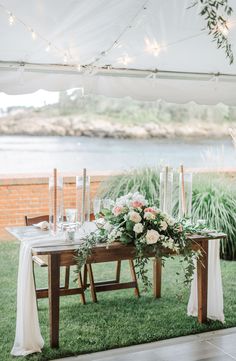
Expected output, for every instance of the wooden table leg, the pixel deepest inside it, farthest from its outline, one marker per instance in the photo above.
(202, 282)
(157, 269)
(118, 267)
(92, 284)
(53, 296)
(134, 277)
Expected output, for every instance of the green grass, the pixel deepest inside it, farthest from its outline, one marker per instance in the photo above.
(119, 319)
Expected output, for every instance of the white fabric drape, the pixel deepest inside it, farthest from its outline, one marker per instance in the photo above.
(215, 306)
(86, 31)
(28, 338)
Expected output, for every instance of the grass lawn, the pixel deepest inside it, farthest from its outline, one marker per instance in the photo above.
(119, 319)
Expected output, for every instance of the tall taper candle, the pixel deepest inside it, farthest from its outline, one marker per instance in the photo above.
(165, 188)
(83, 195)
(183, 199)
(55, 200)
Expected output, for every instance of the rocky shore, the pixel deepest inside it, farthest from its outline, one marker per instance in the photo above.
(104, 128)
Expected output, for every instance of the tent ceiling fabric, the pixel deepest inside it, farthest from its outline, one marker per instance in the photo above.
(118, 34)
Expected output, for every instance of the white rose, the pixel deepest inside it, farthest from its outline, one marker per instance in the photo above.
(170, 221)
(138, 228)
(169, 243)
(149, 215)
(152, 236)
(135, 217)
(163, 225)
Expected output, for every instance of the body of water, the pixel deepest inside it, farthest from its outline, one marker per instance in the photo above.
(26, 154)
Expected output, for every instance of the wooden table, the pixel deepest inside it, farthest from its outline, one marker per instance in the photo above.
(64, 256)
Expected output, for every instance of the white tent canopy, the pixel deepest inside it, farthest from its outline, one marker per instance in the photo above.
(143, 49)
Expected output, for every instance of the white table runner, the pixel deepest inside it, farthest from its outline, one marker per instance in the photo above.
(215, 305)
(28, 338)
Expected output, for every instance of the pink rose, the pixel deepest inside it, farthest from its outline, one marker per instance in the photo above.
(136, 204)
(150, 210)
(117, 210)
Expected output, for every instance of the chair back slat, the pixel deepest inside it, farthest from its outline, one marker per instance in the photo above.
(29, 221)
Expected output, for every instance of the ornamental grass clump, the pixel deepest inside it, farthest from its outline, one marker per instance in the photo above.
(214, 200)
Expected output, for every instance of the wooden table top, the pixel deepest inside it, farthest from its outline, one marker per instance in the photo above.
(43, 250)
(26, 233)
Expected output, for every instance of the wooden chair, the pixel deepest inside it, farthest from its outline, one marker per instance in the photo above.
(111, 285)
(42, 261)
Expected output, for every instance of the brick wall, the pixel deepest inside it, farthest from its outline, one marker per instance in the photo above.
(20, 196)
(24, 195)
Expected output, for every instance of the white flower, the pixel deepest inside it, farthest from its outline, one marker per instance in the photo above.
(107, 226)
(135, 217)
(170, 221)
(169, 243)
(163, 225)
(138, 228)
(152, 236)
(149, 216)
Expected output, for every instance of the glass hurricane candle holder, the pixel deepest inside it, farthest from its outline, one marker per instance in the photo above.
(55, 204)
(166, 190)
(83, 199)
(185, 195)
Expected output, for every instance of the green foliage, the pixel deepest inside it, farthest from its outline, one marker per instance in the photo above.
(216, 13)
(214, 199)
(97, 327)
(143, 180)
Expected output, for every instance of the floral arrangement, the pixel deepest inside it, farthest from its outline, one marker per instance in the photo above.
(131, 220)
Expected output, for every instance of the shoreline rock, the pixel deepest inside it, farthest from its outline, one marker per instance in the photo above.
(103, 128)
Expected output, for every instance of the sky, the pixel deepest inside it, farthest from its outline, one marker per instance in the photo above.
(37, 99)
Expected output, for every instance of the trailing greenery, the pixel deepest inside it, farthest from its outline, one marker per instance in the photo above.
(214, 199)
(96, 327)
(216, 14)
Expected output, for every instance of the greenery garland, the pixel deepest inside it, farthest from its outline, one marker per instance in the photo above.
(215, 14)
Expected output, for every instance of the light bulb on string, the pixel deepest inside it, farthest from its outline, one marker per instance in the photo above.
(33, 34)
(48, 48)
(78, 67)
(11, 19)
(65, 59)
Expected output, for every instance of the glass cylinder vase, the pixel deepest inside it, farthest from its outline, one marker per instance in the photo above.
(166, 190)
(55, 203)
(185, 194)
(83, 199)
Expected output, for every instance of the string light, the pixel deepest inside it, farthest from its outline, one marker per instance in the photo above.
(117, 40)
(125, 59)
(65, 59)
(152, 47)
(48, 48)
(33, 34)
(11, 19)
(223, 28)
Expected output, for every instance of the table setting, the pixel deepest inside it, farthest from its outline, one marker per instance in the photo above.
(71, 230)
